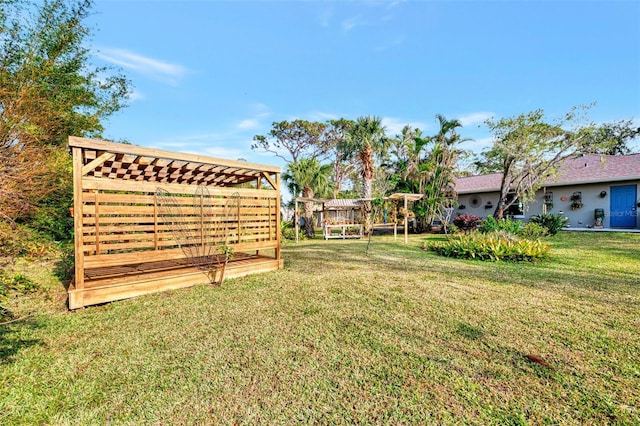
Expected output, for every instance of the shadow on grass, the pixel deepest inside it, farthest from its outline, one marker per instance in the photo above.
(12, 340)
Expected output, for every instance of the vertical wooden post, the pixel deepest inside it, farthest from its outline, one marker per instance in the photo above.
(239, 201)
(259, 186)
(271, 235)
(155, 221)
(76, 299)
(295, 219)
(202, 220)
(277, 188)
(406, 220)
(97, 219)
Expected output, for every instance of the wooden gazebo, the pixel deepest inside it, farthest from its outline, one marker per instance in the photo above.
(347, 223)
(126, 246)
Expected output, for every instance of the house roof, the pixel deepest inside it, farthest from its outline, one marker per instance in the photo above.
(591, 168)
(481, 183)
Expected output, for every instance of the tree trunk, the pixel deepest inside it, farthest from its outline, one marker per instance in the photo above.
(307, 213)
(503, 205)
(504, 191)
(366, 206)
(338, 177)
(500, 209)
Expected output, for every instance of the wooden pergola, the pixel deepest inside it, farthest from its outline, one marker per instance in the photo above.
(406, 198)
(126, 247)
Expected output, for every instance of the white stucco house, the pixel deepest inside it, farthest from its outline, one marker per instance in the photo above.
(584, 188)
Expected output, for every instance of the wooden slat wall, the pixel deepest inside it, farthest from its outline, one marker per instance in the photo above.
(130, 222)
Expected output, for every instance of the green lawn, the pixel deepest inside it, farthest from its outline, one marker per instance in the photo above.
(399, 337)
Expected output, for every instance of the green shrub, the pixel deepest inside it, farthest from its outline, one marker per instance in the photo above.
(51, 217)
(288, 232)
(490, 224)
(553, 222)
(494, 246)
(64, 268)
(54, 221)
(533, 231)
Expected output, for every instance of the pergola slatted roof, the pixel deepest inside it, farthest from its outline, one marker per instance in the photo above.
(128, 162)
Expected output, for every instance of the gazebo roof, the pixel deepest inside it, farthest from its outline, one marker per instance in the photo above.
(111, 160)
(356, 203)
(343, 204)
(403, 196)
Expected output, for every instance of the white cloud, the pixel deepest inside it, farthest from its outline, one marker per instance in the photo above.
(248, 124)
(260, 110)
(353, 22)
(220, 145)
(477, 145)
(395, 3)
(321, 116)
(136, 95)
(475, 118)
(151, 67)
(394, 125)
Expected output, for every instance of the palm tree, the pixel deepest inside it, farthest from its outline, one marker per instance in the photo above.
(364, 139)
(308, 178)
(410, 171)
(439, 188)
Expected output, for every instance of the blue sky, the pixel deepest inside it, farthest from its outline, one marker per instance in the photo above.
(209, 75)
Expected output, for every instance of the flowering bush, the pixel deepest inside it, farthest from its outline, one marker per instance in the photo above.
(467, 222)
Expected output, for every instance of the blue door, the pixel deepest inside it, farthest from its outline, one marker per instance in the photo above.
(623, 206)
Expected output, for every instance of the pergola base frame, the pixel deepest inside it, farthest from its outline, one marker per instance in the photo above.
(109, 288)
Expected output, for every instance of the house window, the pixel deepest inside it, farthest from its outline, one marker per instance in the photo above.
(516, 209)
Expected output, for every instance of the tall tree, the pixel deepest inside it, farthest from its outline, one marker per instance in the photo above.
(48, 90)
(308, 178)
(613, 138)
(335, 136)
(364, 139)
(294, 140)
(527, 150)
(301, 144)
